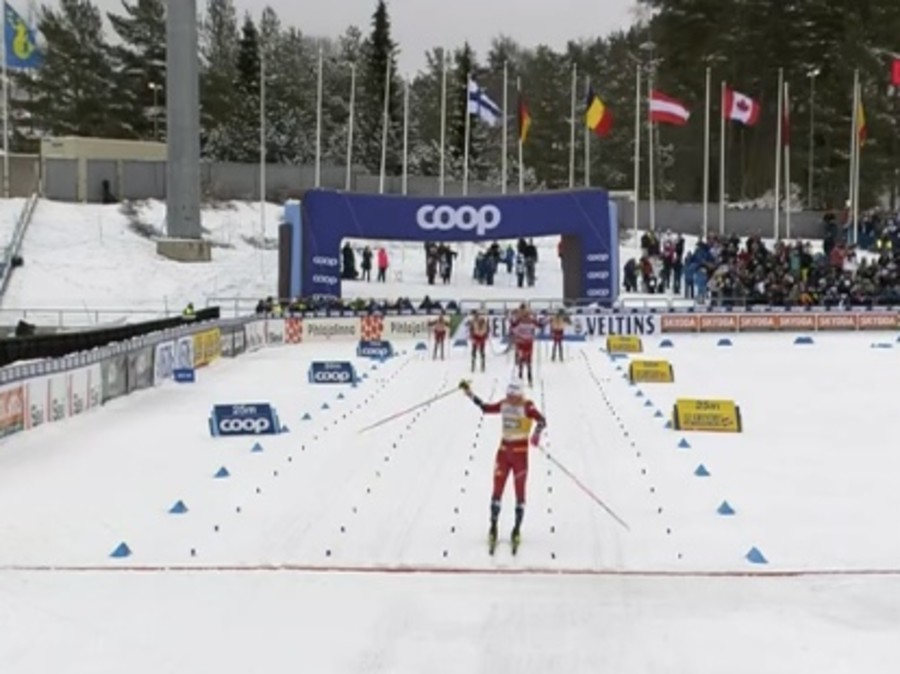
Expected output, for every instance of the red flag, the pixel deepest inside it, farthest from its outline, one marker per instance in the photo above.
(740, 108)
(667, 110)
(895, 73)
(786, 120)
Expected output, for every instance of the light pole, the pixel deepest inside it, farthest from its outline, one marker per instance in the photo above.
(155, 88)
(812, 74)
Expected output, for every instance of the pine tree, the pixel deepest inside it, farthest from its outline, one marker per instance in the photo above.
(73, 92)
(379, 65)
(140, 63)
(219, 49)
(240, 135)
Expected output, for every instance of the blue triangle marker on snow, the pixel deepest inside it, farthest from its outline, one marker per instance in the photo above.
(222, 472)
(365, 375)
(631, 383)
(340, 396)
(639, 394)
(701, 471)
(353, 384)
(374, 367)
(421, 346)
(325, 406)
(803, 340)
(724, 342)
(684, 444)
(756, 557)
(178, 509)
(618, 368)
(725, 509)
(647, 403)
(121, 551)
(307, 417)
(658, 414)
(668, 424)
(257, 448)
(285, 429)
(666, 344)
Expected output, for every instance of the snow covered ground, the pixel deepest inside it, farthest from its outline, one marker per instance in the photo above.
(332, 551)
(88, 264)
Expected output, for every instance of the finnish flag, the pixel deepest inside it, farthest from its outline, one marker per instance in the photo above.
(482, 106)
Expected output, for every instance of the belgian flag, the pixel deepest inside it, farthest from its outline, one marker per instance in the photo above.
(597, 116)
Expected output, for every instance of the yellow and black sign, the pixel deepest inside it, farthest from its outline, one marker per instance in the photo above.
(624, 344)
(207, 347)
(707, 415)
(651, 372)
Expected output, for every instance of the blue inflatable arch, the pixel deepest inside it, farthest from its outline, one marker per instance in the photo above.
(584, 218)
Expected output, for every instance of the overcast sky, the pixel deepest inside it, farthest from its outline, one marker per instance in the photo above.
(421, 24)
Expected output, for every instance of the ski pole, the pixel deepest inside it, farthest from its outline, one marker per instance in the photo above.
(397, 415)
(596, 499)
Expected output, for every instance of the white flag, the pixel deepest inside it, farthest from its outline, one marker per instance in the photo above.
(482, 106)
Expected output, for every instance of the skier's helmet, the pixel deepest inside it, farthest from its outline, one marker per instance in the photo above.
(515, 389)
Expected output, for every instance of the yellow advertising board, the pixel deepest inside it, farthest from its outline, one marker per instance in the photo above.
(207, 346)
(722, 416)
(651, 372)
(624, 344)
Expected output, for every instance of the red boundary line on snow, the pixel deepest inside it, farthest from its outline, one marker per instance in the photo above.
(445, 571)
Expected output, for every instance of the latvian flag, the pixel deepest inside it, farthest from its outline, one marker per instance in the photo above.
(667, 110)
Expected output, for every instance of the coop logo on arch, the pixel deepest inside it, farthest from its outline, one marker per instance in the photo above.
(481, 220)
(323, 261)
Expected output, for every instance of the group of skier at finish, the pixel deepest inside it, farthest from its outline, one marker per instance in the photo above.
(522, 422)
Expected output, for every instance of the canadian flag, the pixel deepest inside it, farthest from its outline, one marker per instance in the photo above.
(740, 108)
(667, 110)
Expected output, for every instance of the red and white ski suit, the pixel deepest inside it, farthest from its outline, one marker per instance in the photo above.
(518, 416)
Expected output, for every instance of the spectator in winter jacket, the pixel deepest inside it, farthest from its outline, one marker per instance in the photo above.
(366, 264)
(631, 276)
(690, 273)
(382, 265)
(701, 280)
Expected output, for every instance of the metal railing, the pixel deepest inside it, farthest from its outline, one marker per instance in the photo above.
(15, 243)
(71, 318)
(235, 307)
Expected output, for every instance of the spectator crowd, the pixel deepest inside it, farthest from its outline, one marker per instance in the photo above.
(727, 271)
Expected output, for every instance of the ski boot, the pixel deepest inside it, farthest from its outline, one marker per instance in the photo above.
(515, 540)
(492, 538)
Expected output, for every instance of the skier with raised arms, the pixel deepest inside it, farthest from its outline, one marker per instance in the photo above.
(523, 327)
(519, 415)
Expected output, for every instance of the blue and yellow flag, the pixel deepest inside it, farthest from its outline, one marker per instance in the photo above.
(22, 52)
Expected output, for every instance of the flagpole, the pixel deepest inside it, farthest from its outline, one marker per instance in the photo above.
(350, 122)
(466, 138)
(503, 138)
(722, 163)
(319, 87)
(637, 153)
(572, 129)
(778, 154)
(858, 162)
(706, 149)
(5, 95)
(441, 179)
(521, 165)
(405, 179)
(262, 142)
(787, 161)
(587, 139)
(651, 177)
(384, 125)
(854, 138)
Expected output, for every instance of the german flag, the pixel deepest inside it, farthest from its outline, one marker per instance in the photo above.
(597, 116)
(524, 119)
